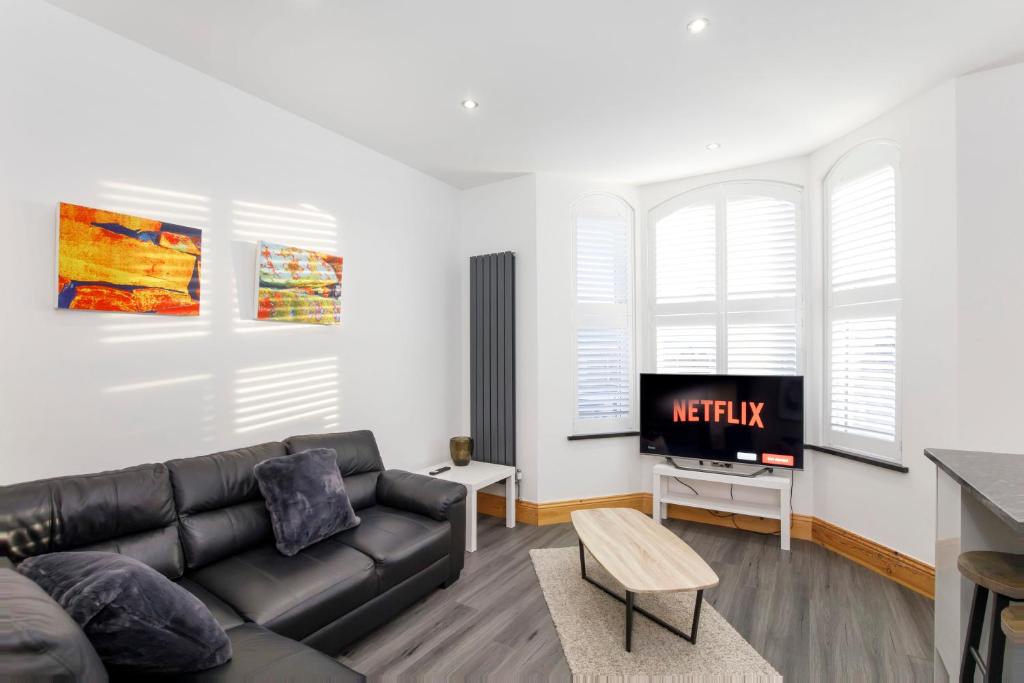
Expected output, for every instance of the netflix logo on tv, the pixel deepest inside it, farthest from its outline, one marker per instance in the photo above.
(729, 418)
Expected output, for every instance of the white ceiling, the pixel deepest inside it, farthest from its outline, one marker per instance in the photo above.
(613, 90)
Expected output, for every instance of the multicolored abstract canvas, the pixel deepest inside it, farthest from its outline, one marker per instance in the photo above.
(297, 285)
(110, 261)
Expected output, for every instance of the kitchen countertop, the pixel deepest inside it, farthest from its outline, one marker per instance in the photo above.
(995, 479)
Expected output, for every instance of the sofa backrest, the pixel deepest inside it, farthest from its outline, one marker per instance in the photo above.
(358, 459)
(212, 499)
(219, 504)
(129, 511)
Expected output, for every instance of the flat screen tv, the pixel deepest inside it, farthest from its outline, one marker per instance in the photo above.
(753, 419)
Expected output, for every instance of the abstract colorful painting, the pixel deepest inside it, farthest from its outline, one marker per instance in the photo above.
(297, 285)
(110, 261)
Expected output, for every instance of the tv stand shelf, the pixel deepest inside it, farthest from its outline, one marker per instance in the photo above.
(780, 511)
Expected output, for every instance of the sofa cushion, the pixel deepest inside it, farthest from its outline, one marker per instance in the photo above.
(401, 543)
(129, 511)
(293, 596)
(225, 615)
(136, 618)
(219, 502)
(39, 641)
(306, 498)
(263, 656)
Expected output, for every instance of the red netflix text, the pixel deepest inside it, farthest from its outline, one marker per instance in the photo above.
(705, 410)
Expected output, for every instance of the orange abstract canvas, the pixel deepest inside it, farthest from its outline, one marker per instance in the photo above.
(297, 285)
(110, 261)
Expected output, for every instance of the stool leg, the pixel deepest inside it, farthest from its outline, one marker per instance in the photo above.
(997, 643)
(977, 621)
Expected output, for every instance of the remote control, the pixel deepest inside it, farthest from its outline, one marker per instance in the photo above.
(440, 470)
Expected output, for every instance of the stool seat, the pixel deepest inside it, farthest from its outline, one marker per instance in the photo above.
(1013, 624)
(1001, 573)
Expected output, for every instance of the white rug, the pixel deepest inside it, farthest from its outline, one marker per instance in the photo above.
(591, 626)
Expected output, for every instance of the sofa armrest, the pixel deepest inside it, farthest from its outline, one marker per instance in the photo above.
(434, 498)
(39, 641)
(419, 493)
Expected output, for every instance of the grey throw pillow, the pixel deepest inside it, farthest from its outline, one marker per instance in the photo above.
(134, 616)
(306, 498)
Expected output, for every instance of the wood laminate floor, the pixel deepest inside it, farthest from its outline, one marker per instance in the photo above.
(814, 615)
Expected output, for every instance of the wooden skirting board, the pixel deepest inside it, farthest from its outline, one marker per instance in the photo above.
(904, 570)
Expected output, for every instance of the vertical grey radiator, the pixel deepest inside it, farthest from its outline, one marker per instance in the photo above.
(492, 338)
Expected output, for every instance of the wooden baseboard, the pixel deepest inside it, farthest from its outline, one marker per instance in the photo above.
(557, 512)
(907, 571)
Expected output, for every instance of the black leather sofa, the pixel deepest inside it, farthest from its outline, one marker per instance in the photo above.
(201, 522)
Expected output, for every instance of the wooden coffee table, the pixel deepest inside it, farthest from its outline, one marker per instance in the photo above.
(644, 557)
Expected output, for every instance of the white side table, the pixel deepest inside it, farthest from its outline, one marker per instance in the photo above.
(475, 476)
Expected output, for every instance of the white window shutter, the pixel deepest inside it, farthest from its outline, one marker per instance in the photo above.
(761, 238)
(602, 261)
(685, 255)
(763, 349)
(863, 231)
(603, 315)
(604, 373)
(862, 333)
(687, 349)
(726, 284)
(863, 377)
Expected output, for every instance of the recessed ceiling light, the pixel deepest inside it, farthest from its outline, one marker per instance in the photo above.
(712, 146)
(698, 25)
(470, 104)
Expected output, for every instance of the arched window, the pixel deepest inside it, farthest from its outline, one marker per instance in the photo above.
(603, 314)
(862, 306)
(724, 292)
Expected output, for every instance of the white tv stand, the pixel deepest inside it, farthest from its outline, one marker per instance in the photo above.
(662, 496)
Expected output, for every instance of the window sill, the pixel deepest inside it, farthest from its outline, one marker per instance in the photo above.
(609, 435)
(859, 457)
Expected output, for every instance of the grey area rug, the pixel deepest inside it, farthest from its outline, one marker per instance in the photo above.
(591, 626)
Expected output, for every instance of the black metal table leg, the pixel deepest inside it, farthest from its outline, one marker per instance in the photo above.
(629, 621)
(696, 616)
(631, 607)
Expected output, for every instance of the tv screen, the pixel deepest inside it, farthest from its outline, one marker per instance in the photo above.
(758, 420)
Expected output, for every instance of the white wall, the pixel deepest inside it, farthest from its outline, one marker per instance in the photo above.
(86, 113)
(896, 509)
(577, 469)
(499, 217)
(990, 185)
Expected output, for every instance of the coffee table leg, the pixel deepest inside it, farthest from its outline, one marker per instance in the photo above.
(696, 616)
(629, 620)
(583, 564)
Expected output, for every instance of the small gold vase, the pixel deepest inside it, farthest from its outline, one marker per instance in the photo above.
(462, 450)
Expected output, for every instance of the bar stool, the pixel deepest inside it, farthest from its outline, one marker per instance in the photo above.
(1013, 624)
(1003, 575)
